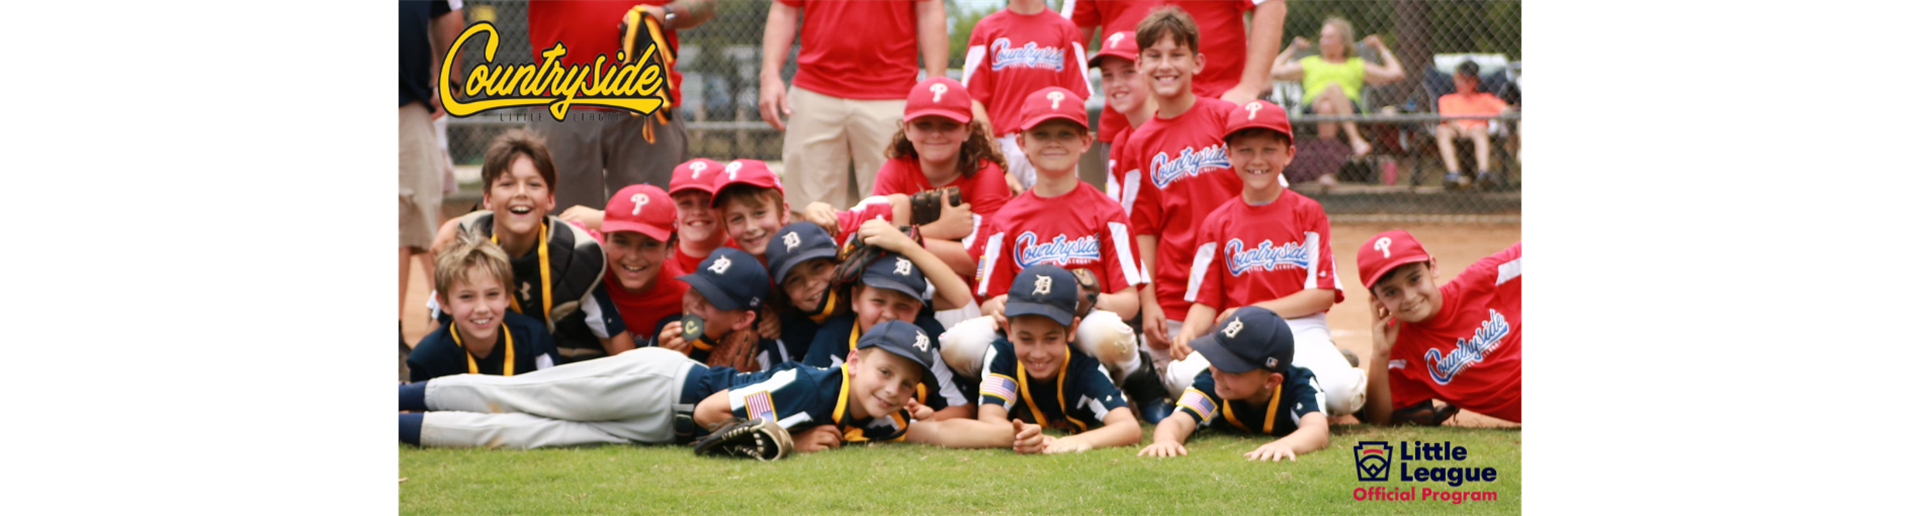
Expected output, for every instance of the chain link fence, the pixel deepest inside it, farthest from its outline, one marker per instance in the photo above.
(1400, 177)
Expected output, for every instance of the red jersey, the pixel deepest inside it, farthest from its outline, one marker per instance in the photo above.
(688, 262)
(875, 207)
(864, 50)
(1250, 254)
(588, 28)
(986, 190)
(1184, 174)
(1468, 353)
(1011, 55)
(642, 311)
(1082, 229)
(1223, 36)
(1115, 187)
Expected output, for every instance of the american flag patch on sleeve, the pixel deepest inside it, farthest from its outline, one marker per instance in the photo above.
(760, 406)
(1199, 403)
(998, 385)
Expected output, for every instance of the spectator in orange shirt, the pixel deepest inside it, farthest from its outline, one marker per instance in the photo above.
(1467, 100)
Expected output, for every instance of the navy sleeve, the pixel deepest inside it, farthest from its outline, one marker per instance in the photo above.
(830, 342)
(946, 389)
(431, 358)
(1200, 401)
(784, 396)
(1302, 394)
(602, 316)
(998, 384)
(1092, 392)
(540, 343)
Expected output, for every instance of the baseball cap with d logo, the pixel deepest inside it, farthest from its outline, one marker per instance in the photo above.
(731, 279)
(1253, 338)
(1044, 289)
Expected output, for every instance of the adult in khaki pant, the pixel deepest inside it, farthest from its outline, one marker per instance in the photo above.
(856, 66)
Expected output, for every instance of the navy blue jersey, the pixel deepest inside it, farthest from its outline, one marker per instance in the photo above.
(1299, 395)
(838, 336)
(798, 329)
(769, 352)
(703, 380)
(583, 312)
(438, 355)
(802, 397)
(596, 319)
(1078, 397)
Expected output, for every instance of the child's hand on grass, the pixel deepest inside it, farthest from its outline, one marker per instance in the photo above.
(1066, 445)
(1271, 451)
(1163, 449)
(918, 411)
(1028, 439)
(820, 437)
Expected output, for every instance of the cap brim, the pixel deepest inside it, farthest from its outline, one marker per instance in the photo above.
(1217, 354)
(957, 116)
(780, 273)
(1095, 60)
(1273, 127)
(715, 296)
(919, 292)
(1030, 124)
(615, 226)
(1384, 269)
(1019, 308)
(696, 185)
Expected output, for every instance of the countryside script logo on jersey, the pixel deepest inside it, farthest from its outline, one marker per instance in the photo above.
(1189, 164)
(1289, 255)
(639, 86)
(1468, 351)
(1030, 55)
(1028, 251)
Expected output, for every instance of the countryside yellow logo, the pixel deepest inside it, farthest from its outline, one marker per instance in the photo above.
(635, 86)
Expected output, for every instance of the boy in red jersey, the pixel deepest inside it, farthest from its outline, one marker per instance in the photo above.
(1458, 343)
(641, 277)
(1013, 53)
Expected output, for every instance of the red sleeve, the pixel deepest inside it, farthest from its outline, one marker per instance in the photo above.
(1148, 216)
(795, 3)
(994, 274)
(1085, 14)
(1120, 254)
(1210, 268)
(1071, 35)
(870, 208)
(1486, 271)
(891, 179)
(1405, 390)
(1314, 216)
(980, 81)
(989, 190)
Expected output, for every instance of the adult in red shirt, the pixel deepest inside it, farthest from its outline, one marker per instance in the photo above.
(941, 144)
(1239, 56)
(638, 229)
(597, 151)
(856, 66)
(1458, 343)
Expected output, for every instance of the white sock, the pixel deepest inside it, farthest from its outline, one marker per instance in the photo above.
(1128, 366)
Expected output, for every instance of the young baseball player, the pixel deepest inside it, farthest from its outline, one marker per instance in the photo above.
(471, 279)
(642, 279)
(1126, 91)
(804, 259)
(1458, 342)
(892, 288)
(558, 265)
(695, 224)
(1269, 248)
(941, 144)
(635, 397)
(1035, 379)
(1247, 386)
(1013, 53)
(716, 325)
(1182, 165)
(1094, 237)
(752, 204)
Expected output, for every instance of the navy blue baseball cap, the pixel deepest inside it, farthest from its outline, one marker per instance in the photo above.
(795, 244)
(897, 273)
(1044, 289)
(1254, 338)
(904, 339)
(731, 279)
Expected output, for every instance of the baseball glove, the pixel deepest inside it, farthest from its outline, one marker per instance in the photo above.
(736, 350)
(926, 204)
(747, 438)
(1089, 287)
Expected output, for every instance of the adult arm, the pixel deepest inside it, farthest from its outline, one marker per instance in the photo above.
(782, 22)
(1284, 67)
(1390, 70)
(1263, 42)
(930, 24)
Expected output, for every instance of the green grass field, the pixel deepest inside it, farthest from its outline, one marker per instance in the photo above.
(914, 479)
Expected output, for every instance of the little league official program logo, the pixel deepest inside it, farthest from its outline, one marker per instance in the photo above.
(1373, 462)
(638, 85)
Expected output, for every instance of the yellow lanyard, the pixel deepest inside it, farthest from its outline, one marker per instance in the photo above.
(1273, 407)
(853, 341)
(854, 435)
(546, 280)
(826, 307)
(1060, 385)
(474, 367)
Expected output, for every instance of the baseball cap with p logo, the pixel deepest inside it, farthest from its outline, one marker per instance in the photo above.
(942, 97)
(1387, 250)
(641, 208)
(1050, 103)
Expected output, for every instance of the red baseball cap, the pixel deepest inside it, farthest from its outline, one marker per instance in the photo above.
(750, 172)
(1119, 44)
(1387, 250)
(695, 174)
(1050, 103)
(940, 96)
(641, 208)
(1259, 114)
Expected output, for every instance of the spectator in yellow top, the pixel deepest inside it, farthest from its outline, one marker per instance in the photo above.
(1332, 79)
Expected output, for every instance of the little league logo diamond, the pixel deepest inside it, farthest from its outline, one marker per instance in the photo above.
(1371, 460)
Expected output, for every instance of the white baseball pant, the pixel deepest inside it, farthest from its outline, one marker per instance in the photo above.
(629, 397)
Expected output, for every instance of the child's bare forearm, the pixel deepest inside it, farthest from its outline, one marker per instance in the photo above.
(1300, 304)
